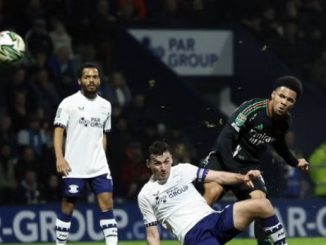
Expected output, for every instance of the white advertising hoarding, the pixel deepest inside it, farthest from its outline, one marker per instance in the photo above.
(189, 53)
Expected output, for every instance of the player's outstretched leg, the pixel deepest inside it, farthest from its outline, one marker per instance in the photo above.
(246, 211)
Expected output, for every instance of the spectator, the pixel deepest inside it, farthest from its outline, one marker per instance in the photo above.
(52, 193)
(318, 170)
(131, 11)
(182, 149)
(57, 8)
(33, 136)
(18, 82)
(62, 63)
(65, 85)
(2, 13)
(45, 94)
(7, 173)
(18, 110)
(117, 91)
(7, 135)
(102, 20)
(319, 71)
(32, 10)
(133, 173)
(29, 191)
(85, 52)
(135, 113)
(27, 161)
(41, 60)
(102, 23)
(297, 184)
(37, 40)
(120, 138)
(60, 37)
(170, 15)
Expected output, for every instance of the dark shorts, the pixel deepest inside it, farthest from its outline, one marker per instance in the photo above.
(214, 162)
(73, 187)
(214, 229)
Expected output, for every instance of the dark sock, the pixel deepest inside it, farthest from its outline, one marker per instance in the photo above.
(260, 234)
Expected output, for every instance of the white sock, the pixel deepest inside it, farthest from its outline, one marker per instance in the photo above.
(61, 232)
(110, 231)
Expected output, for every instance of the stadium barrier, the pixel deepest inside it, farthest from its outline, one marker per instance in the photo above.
(35, 223)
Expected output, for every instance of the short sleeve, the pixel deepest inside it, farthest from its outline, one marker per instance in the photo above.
(239, 118)
(191, 172)
(149, 218)
(244, 112)
(62, 116)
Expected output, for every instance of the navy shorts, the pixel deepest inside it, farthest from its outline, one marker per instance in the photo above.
(214, 162)
(73, 187)
(214, 229)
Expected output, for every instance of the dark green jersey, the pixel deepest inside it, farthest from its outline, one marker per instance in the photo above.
(248, 132)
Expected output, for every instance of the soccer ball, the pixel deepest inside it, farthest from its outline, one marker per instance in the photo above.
(12, 48)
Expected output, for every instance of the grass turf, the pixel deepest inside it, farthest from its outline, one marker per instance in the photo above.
(291, 241)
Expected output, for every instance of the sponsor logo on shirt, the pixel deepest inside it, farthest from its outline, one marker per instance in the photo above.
(240, 119)
(160, 199)
(92, 122)
(259, 138)
(177, 191)
(170, 194)
(259, 127)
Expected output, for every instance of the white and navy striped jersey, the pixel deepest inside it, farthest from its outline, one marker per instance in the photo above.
(85, 120)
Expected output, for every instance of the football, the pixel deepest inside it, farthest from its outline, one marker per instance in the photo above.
(12, 48)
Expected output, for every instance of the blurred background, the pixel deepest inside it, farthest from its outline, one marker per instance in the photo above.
(173, 70)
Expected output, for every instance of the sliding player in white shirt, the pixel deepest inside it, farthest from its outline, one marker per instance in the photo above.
(170, 198)
(86, 117)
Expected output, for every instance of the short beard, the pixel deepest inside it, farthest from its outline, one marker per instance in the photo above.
(88, 94)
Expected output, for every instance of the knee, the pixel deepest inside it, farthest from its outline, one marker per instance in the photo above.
(265, 207)
(104, 207)
(212, 193)
(68, 205)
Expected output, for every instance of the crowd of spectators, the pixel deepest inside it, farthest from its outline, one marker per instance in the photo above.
(62, 34)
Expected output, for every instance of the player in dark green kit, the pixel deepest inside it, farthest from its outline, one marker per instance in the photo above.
(254, 125)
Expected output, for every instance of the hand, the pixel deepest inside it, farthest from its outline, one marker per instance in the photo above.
(63, 167)
(303, 164)
(251, 175)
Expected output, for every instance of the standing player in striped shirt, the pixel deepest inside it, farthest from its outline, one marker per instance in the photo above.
(254, 125)
(85, 117)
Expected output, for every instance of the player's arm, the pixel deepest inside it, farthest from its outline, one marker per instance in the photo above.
(105, 141)
(61, 164)
(282, 149)
(226, 142)
(229, 135)
(149, 218)
(152, 235)
(227, 178)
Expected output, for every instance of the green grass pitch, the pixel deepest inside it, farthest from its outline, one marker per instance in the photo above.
(291, 241)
